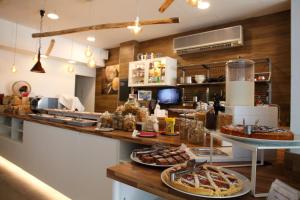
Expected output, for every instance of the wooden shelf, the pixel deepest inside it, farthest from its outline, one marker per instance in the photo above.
(199, 84)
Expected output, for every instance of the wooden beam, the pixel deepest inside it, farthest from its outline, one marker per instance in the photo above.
(106, 26)
(165, 5)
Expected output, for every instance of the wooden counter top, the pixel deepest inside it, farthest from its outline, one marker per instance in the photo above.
(131, 173)
(116, 134)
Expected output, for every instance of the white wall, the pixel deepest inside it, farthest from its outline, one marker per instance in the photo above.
(295, 71)
(57, 80)
(62, 47)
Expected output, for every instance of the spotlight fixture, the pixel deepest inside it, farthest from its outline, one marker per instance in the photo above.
(72, 61)
(70, 68)
(91, 39)
(203, 4)
(136, 28)
(53, 16)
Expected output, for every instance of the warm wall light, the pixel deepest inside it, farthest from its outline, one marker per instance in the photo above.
(91, 39)
(53, 15)
(27, 179)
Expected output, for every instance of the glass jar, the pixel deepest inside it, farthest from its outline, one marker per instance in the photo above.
(129, 123)
(106, 120)
(151, 124)
(143, 114)
(118, 121)
(131, 106)
(183, 128)
(196, 133)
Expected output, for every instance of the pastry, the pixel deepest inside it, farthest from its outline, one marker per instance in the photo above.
(161, 155)
(204, 180)
(258, 132)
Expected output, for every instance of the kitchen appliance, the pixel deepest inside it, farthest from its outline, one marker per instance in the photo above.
(240, 82)
(39, 103)
(240, 88)
(209, 41)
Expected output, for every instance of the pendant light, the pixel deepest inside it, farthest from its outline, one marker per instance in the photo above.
(38, 68)
(14, 68)
(71, 61)
(136, 28)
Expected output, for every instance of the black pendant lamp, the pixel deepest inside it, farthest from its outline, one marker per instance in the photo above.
(38, 68)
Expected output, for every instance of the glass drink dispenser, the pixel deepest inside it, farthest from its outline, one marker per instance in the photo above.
(240, 86)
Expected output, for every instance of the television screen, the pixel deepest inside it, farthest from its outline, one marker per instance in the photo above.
(168, 96)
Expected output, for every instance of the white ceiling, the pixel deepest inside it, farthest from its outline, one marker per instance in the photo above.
(74, 13)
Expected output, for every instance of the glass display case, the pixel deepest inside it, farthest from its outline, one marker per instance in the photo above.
(153, 72)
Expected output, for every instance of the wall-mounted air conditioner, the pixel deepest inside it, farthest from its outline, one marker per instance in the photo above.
(210, 40)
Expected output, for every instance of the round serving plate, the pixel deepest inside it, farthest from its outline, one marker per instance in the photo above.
(259, 141)
(137, 160)
(245, 190)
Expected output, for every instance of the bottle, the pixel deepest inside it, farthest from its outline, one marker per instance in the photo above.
(157, 109)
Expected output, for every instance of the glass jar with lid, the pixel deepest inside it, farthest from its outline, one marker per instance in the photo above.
(131, 106)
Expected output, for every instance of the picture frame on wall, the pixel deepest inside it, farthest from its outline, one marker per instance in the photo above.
(144, 95)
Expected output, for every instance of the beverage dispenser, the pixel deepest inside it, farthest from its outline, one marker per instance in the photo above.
(240, 87)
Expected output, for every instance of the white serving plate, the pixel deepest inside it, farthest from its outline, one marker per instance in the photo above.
(137, 160)
(245, 190)
(260, 141)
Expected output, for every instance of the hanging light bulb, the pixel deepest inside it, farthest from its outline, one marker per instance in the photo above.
(92, 62)
(14, 69)
(136, 28)
(88, 52)
(70, 68)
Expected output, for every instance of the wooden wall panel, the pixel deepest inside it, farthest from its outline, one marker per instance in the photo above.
(106, 102)
(266, 36)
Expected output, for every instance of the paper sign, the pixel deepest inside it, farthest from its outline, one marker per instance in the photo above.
(281, 191)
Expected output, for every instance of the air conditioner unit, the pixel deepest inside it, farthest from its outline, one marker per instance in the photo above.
(209, 41)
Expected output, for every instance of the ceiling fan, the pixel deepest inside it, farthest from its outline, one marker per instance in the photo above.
(201, 4)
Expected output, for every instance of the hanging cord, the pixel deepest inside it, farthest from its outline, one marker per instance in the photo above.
(15, 45)
(42, 13)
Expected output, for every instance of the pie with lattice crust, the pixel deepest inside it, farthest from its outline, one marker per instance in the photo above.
(204, 180)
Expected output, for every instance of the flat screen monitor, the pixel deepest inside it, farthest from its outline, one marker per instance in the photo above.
(169, 96)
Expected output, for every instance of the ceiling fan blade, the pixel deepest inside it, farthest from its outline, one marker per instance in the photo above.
(165, 5)
(50, 47)
(106, 26)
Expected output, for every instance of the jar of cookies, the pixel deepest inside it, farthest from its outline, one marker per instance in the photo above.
(131, 106)
(129, 123)
(106, 120)
(151, 124)
(118, 121)
(143, 114)
(196, 133)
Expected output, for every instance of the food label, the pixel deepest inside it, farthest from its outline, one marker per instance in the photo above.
(281, 191)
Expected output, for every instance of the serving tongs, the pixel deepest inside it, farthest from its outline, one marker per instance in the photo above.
(192, 166)
(153, 149)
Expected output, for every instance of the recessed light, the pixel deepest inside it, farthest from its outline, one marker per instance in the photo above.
(53, 16)
(44, 56)
(91, 39)
(72, 61)
(203, 4)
